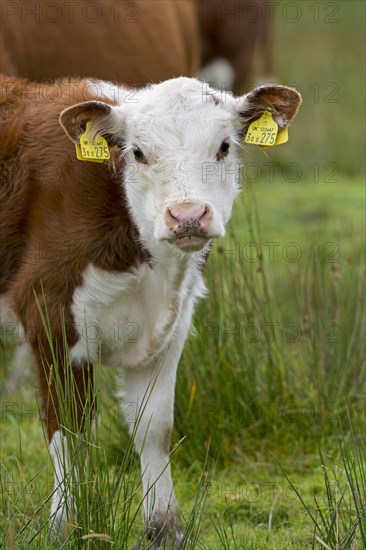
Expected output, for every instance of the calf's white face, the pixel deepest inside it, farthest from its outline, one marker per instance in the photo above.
(180, 139)
(184, 185)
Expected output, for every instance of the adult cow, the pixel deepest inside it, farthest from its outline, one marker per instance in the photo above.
(117, 243)
(129, 41)
(136, 41)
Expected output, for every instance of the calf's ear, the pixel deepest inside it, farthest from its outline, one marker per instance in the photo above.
(282, 102)
(102, 118)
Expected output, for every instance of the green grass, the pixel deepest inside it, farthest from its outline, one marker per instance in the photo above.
(283, 338)
(340, 519)
(252, 407)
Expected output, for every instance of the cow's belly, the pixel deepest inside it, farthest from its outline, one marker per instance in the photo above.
(124, 319)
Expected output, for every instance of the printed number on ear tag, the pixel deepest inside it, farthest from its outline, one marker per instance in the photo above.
(98, 151)
(282, 137)
(262, 132)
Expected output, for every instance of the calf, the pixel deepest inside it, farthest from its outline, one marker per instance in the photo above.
(120, 242)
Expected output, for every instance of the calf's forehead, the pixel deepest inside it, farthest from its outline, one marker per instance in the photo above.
(181, 113)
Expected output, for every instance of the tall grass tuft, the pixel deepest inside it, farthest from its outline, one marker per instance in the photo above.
(339, 518)
(274, 341)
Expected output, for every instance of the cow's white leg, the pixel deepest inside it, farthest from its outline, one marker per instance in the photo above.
(149, 392)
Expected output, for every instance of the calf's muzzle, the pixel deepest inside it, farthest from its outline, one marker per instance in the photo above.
(188, 224)
(186, 214)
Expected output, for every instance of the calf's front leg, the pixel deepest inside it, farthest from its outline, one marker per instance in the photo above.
(150, 392)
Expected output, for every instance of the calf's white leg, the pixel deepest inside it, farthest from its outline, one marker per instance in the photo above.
(149, 392)
(61, 499)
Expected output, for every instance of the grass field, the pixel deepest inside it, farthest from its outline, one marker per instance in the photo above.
(270, 408)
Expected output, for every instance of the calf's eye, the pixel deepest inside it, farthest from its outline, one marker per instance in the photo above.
(224, 150)
(225, 145)
(139, 155)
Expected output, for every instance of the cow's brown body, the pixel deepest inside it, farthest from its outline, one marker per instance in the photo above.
(134, 42)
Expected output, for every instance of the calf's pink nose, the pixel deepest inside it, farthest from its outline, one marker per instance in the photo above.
(187, 213)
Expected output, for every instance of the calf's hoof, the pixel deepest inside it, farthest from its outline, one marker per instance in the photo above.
(165, 533)
(58, 528)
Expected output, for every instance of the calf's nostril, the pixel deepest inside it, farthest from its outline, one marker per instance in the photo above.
(204, 215)
(171, 215)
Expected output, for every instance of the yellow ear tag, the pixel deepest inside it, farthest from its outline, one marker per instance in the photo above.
(92, 152)
(262, 131)
(282, 136)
